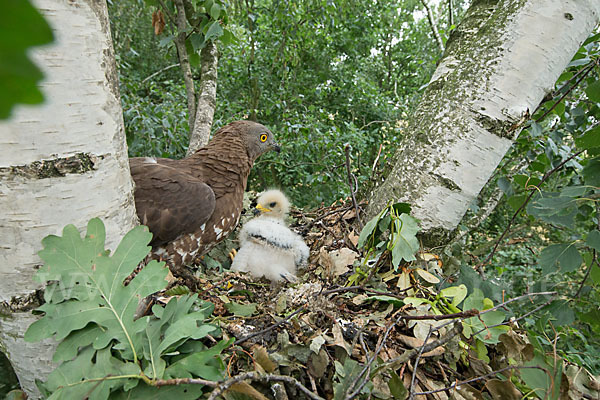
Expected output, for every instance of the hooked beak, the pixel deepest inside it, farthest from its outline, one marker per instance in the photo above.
(260, 209)
(276, 147)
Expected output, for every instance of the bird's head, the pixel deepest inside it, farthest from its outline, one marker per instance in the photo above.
(273, 203)
(259, 139)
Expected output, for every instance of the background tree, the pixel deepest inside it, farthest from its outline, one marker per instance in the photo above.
(63, 161)
(463, 126)
(319, 75)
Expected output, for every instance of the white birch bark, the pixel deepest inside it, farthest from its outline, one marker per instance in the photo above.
(498, 65)
(63, 162)
(207, 97)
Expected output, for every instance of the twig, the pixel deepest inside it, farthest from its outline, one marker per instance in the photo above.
(478, 378)
(464, 314)
(409, 354)
(522, 207)
(266, 378)
(594, 255)
(589, 68)
(270, 328)
(184, 381)
(503, 304)
(352, 288)
(306, 227)
(514, 320)
(414, 374)
(370, 361)
(434, 30)
(374, 122)
(159, 72)
(353, 188)
(376, 160)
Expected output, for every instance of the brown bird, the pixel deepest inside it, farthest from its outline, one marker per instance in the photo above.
(191, 204)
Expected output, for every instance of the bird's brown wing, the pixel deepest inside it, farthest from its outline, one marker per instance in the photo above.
(168, 200)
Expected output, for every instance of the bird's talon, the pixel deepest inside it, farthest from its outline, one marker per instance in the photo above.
(232, 254)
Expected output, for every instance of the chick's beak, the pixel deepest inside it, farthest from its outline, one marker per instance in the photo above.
(260, 209)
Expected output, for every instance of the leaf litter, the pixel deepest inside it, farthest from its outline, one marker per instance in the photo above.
(343, 341)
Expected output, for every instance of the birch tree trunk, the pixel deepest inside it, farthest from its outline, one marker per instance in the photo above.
(64, 162)
(207, 97)
(498, 65)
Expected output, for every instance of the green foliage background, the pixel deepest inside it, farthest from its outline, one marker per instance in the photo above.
(320, 74)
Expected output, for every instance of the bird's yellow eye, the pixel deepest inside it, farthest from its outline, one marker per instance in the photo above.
(263, 137)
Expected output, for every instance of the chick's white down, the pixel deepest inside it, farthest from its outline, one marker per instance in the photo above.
(268, 247)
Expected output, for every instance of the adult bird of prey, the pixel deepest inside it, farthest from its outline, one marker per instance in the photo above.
(268, 247)
(191, 204)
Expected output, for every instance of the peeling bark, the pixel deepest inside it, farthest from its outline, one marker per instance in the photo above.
(498, 65)
(207, 97)
(62, 162)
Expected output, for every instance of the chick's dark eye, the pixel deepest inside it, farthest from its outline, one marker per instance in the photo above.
(272, 204)
(263, 137)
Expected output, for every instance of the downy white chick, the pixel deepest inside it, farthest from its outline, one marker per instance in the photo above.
(268, 247)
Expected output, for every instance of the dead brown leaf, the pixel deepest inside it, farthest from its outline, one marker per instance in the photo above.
(158, 22)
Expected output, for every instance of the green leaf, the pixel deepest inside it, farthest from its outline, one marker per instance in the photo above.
(589, 139)
(174, 324)
(197, 41)
(177, 291)
(595, 274)
(243, 310)
(554, 208)
(68, 348)
(563, 257)
(540, 382)
(214, 31)
(346, 376)
(85, 376)
(405, 240)
(593, 91)
(179, 392)
(472, 280)
(21, 27)
(397, 387)
(562, 312)
(401, 208)
(166, 40)
(457, 293)
(535, 129)
(483, 322)
(592, 318)
(591, 172)
(516, 201)
(228, 37)
(201, 364)
(505, 186)
(194, 60)
(368, 229)
(104, 351)
(215, 11)
(93, 285)
(593, 240)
